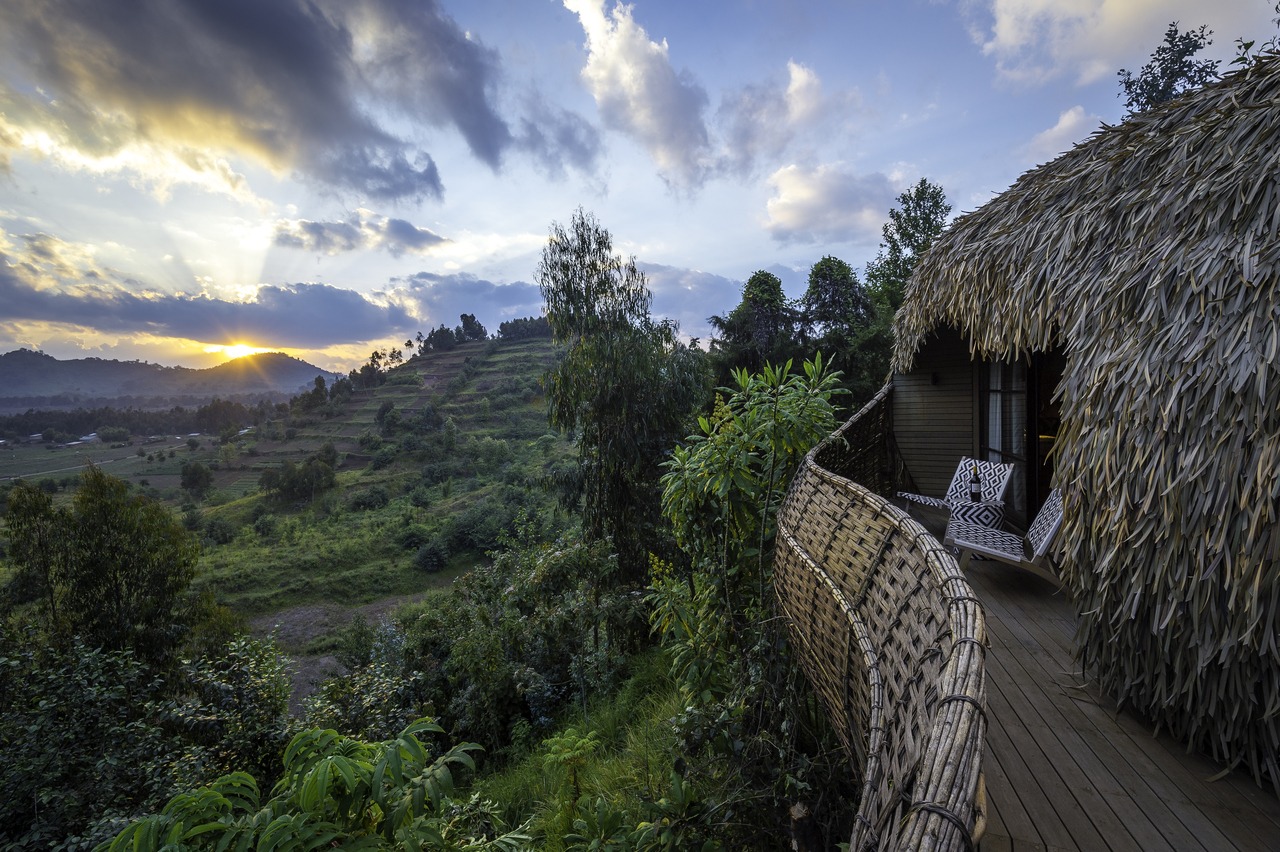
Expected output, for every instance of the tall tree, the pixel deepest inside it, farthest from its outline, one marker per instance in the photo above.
(835, 304)
(913, 225)
(760, 330)
(625, 384)
(1171, 71)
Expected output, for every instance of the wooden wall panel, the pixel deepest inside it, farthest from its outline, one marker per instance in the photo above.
(934, 421)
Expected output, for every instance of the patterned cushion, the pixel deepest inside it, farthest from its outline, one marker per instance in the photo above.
(994, 477)
(985, 541)
(923, 500)
(983, 514)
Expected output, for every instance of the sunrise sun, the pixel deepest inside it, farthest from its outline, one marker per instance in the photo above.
(235, 350)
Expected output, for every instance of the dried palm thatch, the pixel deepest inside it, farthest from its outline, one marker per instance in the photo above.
(1149, 252)
(891, 637)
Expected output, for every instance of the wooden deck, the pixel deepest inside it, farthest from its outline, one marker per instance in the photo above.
(1065, 771)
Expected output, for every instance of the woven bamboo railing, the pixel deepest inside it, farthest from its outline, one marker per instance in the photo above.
(892, 639)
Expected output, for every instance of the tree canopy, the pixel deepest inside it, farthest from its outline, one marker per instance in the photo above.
(1171, 71)
(112, 569)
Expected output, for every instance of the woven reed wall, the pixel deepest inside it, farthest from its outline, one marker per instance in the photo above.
(891, 637)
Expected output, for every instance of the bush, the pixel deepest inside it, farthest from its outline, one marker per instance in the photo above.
(414, 536)
(265, 526)
(431, 557)
(405, 377)
(219, 530)
(371, 498)
(385, 456)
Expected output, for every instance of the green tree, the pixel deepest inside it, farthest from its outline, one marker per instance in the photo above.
(913, 225)
(471, 329)
(835, 303)
(80, 742)
(760, 330)
(1171, 71)
(112, 569)
(625, 384)
(750, 728)
(196, 478)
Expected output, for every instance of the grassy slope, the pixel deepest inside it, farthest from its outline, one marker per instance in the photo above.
(330, 552)
(327, 552)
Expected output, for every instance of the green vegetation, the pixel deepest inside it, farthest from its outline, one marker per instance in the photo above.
(590, 611)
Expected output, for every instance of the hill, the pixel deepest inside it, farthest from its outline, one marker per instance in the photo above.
(36, 380)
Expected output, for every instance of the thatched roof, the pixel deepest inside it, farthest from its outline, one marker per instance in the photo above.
(1149, 253)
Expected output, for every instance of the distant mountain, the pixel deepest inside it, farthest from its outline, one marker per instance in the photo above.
(32, 376)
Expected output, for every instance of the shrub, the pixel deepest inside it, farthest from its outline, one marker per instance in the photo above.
(374, 497)
(385, 456)
(265, 526)
(431, 557)
(414, 536)
(219, 530)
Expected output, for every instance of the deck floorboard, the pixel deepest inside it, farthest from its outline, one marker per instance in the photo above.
(1065, 771)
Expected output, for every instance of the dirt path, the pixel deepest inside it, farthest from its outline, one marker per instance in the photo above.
(297, 627)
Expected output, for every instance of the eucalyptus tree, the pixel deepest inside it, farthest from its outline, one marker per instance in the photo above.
(913, 225)
(625, 384)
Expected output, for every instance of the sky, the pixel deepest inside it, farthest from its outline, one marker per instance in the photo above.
(184, 180)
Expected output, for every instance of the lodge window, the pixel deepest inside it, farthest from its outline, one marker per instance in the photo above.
(1018, 411)
(1003, 436)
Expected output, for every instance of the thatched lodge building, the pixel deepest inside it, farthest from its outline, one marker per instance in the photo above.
(1111, 324)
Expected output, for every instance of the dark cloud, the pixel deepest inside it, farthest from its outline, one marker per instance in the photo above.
(432, 69)
(361, 230)
(290, 82)
(689, 296)
(556, 137)
(443, 298)
(34, 287)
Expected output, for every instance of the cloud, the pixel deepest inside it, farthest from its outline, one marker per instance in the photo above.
(46, 280)
(431, 69)
(760, 121)
(362, 229)
(690, 296)
(827, 203)
(556, 137)
(1034, 40)
(437, 299)
(294, 85)
(1073, 125)
(640, 94)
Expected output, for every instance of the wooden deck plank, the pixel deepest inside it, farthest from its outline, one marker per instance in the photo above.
(1012, 821)
(1028, 810)
(1065, 767)
(1055, 749)
(1250, 806)
(1082, 771)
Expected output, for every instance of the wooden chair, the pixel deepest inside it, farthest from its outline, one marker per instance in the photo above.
(994, 477)
(1030, 553)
